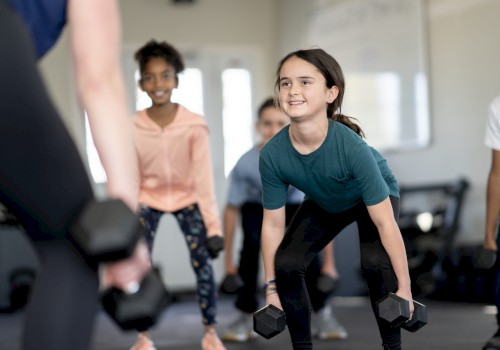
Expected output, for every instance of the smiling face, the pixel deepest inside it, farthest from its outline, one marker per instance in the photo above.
(303, 92)
(158, 80)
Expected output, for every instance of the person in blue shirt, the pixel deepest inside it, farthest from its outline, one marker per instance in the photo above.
(323, 154)
(245, 201)
(43, 180)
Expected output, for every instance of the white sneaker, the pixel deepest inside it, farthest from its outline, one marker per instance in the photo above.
(240, 330)
(327, 326)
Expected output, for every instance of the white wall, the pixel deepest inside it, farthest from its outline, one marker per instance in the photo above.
(463, 58)
(464, 76)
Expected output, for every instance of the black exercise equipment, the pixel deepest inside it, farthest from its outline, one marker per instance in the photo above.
(231, 284)
(21, 280)
(419, 318)
(326, 284)
(429, 222)
(109, 231)
(396, 310)
(485, 258)
(269, 321)
(138, 311)
(214, 245)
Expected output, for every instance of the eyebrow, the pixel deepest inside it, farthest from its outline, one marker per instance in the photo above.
(302, 77)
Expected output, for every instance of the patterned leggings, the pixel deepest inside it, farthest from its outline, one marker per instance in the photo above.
(195, 233)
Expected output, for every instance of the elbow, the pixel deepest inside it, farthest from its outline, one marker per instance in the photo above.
(94, 84)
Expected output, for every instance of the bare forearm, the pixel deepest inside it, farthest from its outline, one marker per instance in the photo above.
(492, 204)
(106, 106)
(271, 239)
(229, 225)
(393, 243)
(95, 31)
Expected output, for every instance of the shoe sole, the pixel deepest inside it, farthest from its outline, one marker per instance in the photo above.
(332, 336)
(235, 338)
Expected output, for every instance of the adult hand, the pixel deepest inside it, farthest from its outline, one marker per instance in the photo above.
(127, 274)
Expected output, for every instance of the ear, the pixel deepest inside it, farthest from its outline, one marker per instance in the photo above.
(333, 92)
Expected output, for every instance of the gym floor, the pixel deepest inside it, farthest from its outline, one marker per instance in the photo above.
(452, 326)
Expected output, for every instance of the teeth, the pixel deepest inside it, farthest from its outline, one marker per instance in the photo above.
(296, 102)
(159, 93)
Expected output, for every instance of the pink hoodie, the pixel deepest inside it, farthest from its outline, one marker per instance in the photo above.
(175, 165)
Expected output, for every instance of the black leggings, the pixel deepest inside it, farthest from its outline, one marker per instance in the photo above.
(44, 183)
(311, 229)
(247, 297)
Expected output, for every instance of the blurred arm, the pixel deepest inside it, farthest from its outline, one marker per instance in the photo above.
(229, 225)
(95, 32)
(493, 201)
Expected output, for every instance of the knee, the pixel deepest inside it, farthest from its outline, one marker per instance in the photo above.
(287, 266)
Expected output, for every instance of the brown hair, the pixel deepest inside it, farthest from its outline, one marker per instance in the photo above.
(331, 71)
(268, 102)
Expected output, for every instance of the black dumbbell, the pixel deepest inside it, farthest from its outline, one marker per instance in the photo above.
(269, 321)
(396, 310)
(326, 284)
(109, 231)
(214, 245)
(419, 318)
(140, 310)
(485, 258)
(231, 284)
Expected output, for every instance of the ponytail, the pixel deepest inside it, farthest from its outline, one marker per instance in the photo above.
(348, 121)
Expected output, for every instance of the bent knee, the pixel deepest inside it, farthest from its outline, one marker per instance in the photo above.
(288, 265)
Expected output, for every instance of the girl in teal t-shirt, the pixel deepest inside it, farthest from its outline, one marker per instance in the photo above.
(322, 153)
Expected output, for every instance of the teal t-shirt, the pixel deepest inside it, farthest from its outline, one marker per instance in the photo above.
(343, 171)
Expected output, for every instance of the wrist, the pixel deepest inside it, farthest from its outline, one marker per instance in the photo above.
(270, 284)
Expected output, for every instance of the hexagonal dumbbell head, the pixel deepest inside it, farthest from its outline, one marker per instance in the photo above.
(393, 309)
(419, 318)
(231, 284)
(326, 284)
(269, 321)
(138, 311)
(107, 230)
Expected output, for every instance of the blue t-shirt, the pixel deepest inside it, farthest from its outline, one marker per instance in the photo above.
(245, 185)
(45, 20)
(343, 171)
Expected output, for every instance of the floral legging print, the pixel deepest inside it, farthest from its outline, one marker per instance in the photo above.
(193, 227)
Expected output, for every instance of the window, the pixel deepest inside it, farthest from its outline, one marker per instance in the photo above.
(236, 115)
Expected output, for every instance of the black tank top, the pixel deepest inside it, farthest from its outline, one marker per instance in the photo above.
(45, 19)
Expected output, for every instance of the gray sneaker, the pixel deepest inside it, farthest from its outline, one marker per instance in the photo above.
(327, 326)
(240, 330)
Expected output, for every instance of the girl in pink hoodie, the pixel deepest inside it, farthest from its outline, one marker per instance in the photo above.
(175, 171)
